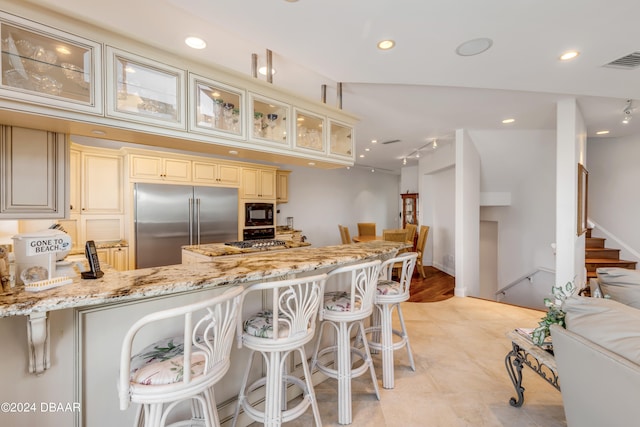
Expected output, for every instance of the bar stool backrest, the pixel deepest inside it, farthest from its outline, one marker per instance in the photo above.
(359, 281)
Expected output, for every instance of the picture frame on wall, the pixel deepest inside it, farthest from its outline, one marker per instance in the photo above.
(583, 180)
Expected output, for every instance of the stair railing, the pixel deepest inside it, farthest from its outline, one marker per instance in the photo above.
(616, 239)
(529, 277)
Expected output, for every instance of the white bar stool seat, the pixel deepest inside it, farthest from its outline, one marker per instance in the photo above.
(156, 377)
(286, 324)
(344, 310)
(389, 295)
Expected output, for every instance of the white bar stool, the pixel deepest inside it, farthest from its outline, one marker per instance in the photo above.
(284, 326)
(344, 310)
(389, 295)
(156, 377)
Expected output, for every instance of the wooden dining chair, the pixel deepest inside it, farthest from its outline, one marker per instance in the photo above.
(411, 232)
(395, 235)
(422, 241)
(344, 234)
(366, 229)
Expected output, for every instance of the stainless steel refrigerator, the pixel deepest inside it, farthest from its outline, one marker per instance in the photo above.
(168, 217)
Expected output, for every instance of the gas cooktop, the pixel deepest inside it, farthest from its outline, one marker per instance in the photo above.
(261, 243)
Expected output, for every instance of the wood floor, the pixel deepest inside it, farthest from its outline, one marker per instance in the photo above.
(436, 286)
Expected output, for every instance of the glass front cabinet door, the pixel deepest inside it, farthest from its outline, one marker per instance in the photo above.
(218, 108)
(144, 90)
(409, 209)
(340, 140)
(48, 67)
(309, 132)
(269, 120)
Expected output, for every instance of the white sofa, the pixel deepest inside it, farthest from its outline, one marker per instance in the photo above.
(598, 355)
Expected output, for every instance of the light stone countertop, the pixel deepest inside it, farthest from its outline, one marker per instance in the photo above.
(220, 249)
(120, 286)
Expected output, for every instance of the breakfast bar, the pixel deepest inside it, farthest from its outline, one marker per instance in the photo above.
(83, 324)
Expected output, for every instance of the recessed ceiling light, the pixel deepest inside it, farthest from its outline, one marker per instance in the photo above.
(374, 141)
(602, 132)
(507, 121)
(569, 55)
(361, 155)
(386, 44)
(263, 71)
(233, 152)
(367, 149)
(474, 47)
(195, 42)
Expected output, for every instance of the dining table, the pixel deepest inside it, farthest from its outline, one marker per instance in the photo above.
(362, 239)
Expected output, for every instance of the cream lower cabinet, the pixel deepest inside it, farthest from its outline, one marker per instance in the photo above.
(99, 228)
(118, 258)
(33, 173)
(258, 183)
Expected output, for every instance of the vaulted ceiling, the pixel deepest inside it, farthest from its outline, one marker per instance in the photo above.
(421, 90)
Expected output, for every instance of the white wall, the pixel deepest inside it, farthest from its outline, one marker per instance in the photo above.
(467, 214)
(526, 228)
(409, 179)
(321, 199)
(571, 150)
(614, 175)
(436, 179)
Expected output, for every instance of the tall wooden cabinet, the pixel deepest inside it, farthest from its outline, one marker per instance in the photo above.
(34, 174)
(409, 209)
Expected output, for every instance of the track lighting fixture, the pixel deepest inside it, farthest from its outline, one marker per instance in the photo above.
(628, 110)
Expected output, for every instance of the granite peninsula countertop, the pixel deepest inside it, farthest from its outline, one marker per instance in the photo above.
(220, 249)
(103, 245)
(121, 286)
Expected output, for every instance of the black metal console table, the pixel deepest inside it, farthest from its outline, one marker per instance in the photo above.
(525, 352)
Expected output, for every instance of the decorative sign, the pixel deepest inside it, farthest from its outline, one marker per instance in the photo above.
(47, 245)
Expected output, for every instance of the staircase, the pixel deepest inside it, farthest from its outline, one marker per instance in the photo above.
(596, 255)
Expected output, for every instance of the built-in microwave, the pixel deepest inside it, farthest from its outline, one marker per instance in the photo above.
(258, 214)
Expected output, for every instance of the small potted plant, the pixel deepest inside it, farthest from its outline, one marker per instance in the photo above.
(555, 314)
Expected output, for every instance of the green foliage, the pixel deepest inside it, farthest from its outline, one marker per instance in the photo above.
(555, 315)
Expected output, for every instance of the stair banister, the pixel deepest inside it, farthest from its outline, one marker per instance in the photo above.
(502, 291)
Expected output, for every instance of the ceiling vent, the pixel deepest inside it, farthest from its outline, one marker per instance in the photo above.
(392, 141)
(628, 62)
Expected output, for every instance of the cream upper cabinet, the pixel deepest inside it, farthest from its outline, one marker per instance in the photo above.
(341, 139)
(74, 181)
(309, 134)
(282, 186)
(159, 168)
(48, 67)
(101, 183)
(34, 174)
(216, 173)
(145, 91)
(258, 183)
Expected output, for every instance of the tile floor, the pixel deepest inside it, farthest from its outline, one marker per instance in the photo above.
(459, 346)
